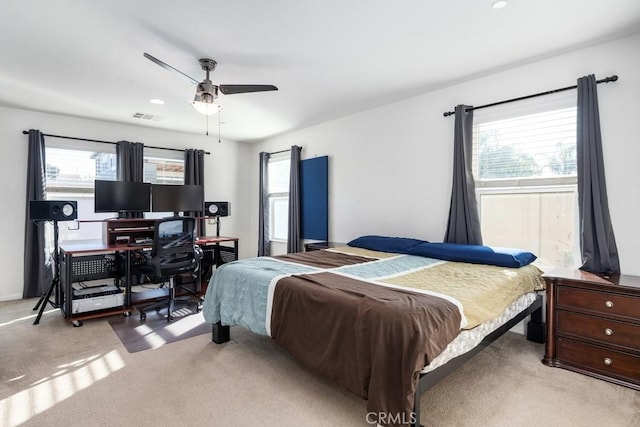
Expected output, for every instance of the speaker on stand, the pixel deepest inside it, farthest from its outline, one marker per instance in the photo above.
(216, 209)
(52, 210)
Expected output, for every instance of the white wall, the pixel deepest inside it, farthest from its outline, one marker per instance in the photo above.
(390, 167)
(222, 170)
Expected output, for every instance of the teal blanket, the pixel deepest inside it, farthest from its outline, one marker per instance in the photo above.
(238, 291)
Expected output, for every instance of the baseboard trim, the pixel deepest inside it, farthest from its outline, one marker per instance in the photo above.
(10, 297)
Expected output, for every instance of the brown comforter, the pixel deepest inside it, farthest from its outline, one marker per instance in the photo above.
(371, 339)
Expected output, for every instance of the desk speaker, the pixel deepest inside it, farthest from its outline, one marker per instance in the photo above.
(216, 209)
(53, 210)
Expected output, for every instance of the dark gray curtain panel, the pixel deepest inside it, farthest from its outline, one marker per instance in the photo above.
(194, 175)
(264, 245)
(37, 265)
(129, 161)
(464, 222)
(597, 241)
(129, 166)
(294, 242)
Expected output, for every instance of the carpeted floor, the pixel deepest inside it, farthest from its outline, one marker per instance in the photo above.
(56, 375)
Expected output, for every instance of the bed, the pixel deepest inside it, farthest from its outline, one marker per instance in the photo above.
(384, 324)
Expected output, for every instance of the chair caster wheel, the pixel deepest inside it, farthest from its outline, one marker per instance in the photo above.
(143, 317)
(76, 323)
(126, 314)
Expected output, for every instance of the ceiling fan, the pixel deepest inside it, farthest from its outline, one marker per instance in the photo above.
(206, 91)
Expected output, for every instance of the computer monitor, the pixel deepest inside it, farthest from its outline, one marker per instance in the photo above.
(121, 197)
(177, 198)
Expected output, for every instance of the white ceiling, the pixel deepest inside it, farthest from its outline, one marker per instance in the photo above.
(328, 58)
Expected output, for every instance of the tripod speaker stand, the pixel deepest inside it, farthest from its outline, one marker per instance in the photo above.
(52, 210)
(54, 286)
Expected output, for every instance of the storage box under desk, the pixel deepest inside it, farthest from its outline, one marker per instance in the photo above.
(95, 298)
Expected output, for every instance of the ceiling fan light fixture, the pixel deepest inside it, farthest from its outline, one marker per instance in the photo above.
(205, 100)
(206, 108)
(206, 92)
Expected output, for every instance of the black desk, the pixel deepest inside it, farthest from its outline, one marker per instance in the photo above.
(100, 266)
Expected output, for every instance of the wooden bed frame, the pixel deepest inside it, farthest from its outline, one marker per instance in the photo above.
(536, 332)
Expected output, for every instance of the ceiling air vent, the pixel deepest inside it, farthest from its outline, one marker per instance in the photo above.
(146, 116)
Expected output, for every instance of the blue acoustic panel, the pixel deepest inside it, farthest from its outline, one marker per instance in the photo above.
(314, 198)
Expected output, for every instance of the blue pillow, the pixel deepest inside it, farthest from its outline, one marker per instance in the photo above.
(476, 254)
(400, 245)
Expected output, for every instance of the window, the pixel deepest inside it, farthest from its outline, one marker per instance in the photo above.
(163, 167)
(526, 178)
(72, 167)
(278, 179)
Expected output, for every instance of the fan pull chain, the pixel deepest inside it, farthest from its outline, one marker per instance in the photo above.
(219, 114)
(207, 125)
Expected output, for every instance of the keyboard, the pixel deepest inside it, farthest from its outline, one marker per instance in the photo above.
(146, 242)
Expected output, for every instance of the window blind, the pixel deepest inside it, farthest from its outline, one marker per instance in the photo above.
(530, 142)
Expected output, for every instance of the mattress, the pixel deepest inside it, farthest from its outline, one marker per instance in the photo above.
(467, 340)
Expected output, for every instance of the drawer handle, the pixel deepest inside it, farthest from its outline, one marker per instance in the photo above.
(608, 361)
(608, 331)
(608, 304)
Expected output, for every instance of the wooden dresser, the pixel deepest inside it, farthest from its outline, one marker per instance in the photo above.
(593, 325)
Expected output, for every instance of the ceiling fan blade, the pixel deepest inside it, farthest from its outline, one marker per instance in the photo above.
(170, 68)
(231, 89)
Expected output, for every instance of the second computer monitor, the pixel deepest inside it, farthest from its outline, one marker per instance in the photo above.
(177, 198)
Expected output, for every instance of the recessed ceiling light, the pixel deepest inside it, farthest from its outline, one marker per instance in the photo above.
(156, 101)
(499, 4)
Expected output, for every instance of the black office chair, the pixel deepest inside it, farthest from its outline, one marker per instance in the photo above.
(174, 253)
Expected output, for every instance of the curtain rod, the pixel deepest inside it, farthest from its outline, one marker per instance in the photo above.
(26, 132)
(549, 92)
(281, 151)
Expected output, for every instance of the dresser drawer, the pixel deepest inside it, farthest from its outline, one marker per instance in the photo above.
(603, 361)
(599, 302)
(604, 330)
